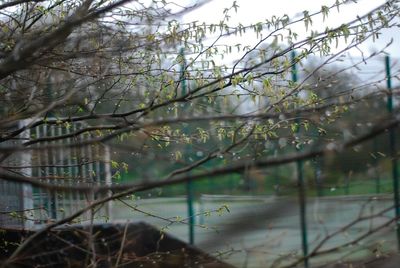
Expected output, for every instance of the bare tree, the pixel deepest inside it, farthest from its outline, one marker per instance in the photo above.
(82, 79)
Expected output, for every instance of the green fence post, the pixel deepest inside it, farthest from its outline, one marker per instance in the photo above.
(318, 176)
(347, 184)
(376, 173)
(52, 195)
(189, 184)
(300, 178)
(392, 140)
(318, 164)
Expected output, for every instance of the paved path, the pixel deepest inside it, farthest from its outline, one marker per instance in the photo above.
(250, 235)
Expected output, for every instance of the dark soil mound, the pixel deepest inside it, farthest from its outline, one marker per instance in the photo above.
(109, 245)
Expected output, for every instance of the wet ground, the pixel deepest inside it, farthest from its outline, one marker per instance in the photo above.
(261, 231)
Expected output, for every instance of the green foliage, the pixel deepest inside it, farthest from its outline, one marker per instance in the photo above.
(219, 103)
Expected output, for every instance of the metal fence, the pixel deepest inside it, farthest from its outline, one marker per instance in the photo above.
(24, 206)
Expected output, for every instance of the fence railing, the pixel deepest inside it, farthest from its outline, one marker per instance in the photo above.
(27, 206)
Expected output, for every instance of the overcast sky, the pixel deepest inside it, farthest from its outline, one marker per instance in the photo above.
(252, 11)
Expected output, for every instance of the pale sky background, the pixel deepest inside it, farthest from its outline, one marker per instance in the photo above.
(252, 11)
